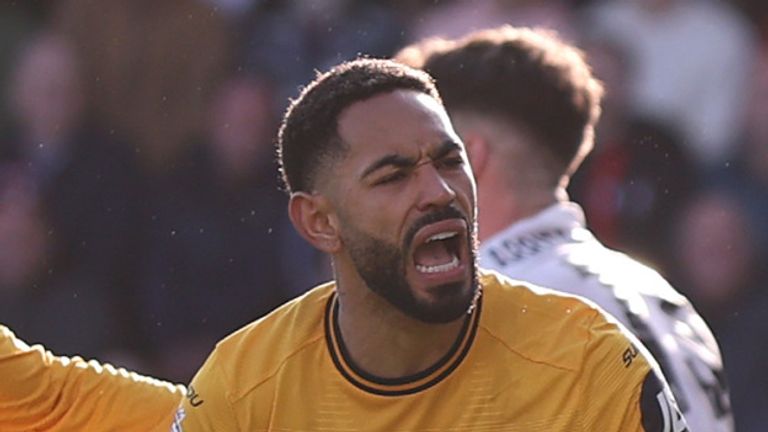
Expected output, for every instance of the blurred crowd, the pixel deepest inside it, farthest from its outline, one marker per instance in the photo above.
(140, 212)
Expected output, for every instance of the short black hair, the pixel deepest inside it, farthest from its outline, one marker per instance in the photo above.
(308, 137)
(526, 76)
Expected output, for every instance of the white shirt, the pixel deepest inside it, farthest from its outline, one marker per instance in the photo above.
(554, 249)
(692, 64)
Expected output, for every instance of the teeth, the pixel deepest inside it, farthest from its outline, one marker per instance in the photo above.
(441, 236)
(439, 268)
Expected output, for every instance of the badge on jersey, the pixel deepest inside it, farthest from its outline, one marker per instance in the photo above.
(659, 410)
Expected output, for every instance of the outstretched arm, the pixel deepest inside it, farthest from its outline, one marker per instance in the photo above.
(40, 391)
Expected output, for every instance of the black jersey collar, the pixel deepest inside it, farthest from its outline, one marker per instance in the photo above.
(404, 385)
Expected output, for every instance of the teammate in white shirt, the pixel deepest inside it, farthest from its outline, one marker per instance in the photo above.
(525, 104)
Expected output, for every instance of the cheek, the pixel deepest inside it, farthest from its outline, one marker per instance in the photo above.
(377, 217)
(468, 189)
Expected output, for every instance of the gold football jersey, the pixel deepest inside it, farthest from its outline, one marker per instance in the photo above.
(43, 392)
(527, 359)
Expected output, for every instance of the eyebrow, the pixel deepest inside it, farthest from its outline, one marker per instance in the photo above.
(399, 161)
(446, 147)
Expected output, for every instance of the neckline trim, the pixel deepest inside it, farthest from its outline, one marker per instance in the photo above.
(403, 385)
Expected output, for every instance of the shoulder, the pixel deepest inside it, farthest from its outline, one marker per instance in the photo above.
(539, 323)
(624, 287)
(8, 341)
(615, 269)
(554, 249)
(611, 371)
(253, 354)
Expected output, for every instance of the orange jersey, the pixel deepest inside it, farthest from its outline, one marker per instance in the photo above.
(43, 392)
(527, 359)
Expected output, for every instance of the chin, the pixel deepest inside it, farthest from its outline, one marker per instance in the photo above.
(446, 303)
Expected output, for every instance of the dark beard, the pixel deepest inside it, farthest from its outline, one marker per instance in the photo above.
(382, 266)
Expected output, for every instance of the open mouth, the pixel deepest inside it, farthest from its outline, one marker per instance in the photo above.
(438, 247)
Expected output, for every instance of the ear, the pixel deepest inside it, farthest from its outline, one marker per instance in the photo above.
(312, 217)
(478, 151)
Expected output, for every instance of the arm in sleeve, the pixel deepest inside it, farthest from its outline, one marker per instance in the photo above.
(41, 391)
(624, 389)
(207, 405)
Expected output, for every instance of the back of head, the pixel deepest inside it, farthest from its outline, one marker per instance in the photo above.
(308, 139)
(526, 77)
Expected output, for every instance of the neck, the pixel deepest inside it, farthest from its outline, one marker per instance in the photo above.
(387, 343)
(500, 209)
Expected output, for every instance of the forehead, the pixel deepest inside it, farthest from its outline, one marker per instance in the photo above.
(403, 122)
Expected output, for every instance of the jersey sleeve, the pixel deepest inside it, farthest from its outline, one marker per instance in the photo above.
(624, 390)
(206, 406)
(42, 391)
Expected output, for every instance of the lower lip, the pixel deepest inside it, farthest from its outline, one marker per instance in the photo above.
(453, 275)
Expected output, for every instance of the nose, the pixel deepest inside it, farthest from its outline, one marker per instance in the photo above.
(434, 189)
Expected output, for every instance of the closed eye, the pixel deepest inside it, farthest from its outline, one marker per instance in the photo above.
(391, 178)
(452, 162)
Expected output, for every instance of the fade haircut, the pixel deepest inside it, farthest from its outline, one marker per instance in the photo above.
(308, 140)
(528, 77)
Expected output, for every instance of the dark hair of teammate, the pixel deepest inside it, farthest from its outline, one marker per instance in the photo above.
(524, 76)
(308, 139)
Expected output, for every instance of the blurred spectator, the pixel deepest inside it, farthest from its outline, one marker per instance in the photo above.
(455, 18)
(288, 41)
(150, 67)
(716, 263)
(23, 240)
(632, 183)
(86, 186)
(747, 176)
(691, 60)
(15, 25)
(216, 252)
